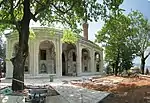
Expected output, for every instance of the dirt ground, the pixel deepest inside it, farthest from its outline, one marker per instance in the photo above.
(133, 96)
(123, 90)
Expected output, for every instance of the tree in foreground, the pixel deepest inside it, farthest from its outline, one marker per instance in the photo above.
(141, 37)
(17, 14)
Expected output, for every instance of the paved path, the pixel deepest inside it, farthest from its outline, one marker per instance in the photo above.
(75, 94)
(68, 93)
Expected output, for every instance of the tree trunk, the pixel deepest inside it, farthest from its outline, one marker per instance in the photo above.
(19, 60)
(0, 72)
(116, 68)
(142, 65)
(113, 68)
(116, 64)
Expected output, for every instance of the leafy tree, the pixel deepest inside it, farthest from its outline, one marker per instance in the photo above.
(109, 8)
(16, 14)
(114, 35)
(141, 37)
(127, 56)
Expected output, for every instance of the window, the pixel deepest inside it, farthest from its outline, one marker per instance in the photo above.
(74, 56)
(43, 54)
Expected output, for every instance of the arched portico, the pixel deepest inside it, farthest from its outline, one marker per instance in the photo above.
(85, 60)
(47, 57)
(69, 59)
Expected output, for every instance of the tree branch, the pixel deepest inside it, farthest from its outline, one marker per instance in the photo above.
(39, 3)
(147, 56)
(41, 8)
(12, 10)
(17, 4)
(2, 2)
(57, 8)
(61, 17)
(13, 19)
(6, 22)
(33, 17)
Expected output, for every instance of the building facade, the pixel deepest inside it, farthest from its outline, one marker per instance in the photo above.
(49, 55)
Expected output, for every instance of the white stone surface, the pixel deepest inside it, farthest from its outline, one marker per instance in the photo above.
(56, 99)
(68, 93)
(80, 95)
(11, 99)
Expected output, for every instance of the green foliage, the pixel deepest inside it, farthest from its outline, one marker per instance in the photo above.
(141, 28)
(110, 7)
(69, 37)
(52, 32)
(141, 37)
(115, 36)
(68, 12)
(32, 34)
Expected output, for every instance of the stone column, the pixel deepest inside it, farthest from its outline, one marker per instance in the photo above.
(101, 62)
(9, 66)
(31, 57)
(36, 57)
(92, 61)
(79, 60)
(58, 59)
